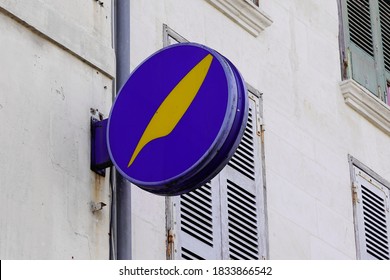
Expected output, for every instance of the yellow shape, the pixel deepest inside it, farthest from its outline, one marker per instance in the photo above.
(174, 106)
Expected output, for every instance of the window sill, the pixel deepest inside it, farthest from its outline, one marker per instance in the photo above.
(244, 13)
(366, 104)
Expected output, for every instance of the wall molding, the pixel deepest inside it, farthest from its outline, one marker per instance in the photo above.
(72, 38)
(366, 104)
(244, 13)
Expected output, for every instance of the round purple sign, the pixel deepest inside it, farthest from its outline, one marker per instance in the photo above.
(178, 119)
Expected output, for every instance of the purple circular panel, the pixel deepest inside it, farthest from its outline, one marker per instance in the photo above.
(172, 116)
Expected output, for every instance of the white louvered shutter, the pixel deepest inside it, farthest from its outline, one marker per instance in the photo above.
(372, 217)
(242, 207)
(197, 224)
(225, 219)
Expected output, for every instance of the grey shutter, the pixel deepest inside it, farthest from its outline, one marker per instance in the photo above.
(384, 15)
(372, 219)
(360, 43)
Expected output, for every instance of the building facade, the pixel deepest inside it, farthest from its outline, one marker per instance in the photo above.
(309, 180)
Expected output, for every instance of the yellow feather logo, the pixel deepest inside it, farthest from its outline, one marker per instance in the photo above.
(174, 106)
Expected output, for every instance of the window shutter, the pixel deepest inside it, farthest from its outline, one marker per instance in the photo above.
(384, 16)
(242, 207)
(225, 219)
(360, 43)
(244, 160)
(197, 223)
(372, 218)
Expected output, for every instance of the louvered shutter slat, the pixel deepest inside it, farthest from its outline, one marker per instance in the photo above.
(189, 255)
(196, 218)
(197, 229)
(243, 159)
(360, 24)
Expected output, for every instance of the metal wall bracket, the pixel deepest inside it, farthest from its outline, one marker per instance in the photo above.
(100, 158)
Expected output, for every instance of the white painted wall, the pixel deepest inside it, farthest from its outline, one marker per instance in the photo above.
(309, 129)
(51, 73)
(57, 61)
